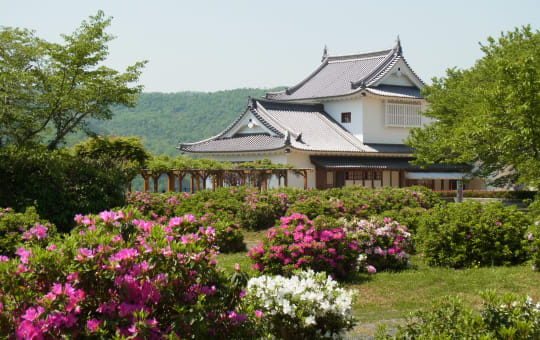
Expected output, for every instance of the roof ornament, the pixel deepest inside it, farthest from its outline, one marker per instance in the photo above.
(324, 53)
(397, 48)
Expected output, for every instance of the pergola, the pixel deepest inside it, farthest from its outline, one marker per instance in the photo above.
(240, 176)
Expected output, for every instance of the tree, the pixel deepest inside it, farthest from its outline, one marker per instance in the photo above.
(124, 153)
(488, 115)
(51, 89)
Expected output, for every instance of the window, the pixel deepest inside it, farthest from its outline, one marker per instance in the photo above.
(345, 117)
(402, 114)
(353, 175)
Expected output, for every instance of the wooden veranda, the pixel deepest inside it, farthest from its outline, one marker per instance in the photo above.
(255, 177)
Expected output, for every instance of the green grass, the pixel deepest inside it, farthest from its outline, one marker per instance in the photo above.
(389, 296)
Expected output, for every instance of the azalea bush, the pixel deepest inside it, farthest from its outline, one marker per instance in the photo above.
(472, 234)
(385, 243)
(261, 210)
(300, 243)
(27, 227)
(117, 277)
(506, 317)
(307, 305)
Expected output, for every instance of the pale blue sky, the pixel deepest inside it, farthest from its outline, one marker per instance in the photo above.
(217, 45)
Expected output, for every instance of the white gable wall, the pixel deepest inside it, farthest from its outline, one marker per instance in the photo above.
(400, 75)
(243, 126)
(355, 107)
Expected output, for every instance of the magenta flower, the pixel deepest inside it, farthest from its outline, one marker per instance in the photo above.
(371, 270)
(24, 254)
(259, 314)
(32, 313)
(92, 324)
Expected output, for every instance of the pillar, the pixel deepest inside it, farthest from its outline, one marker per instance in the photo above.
(305, 179)
(146, 182)
(171, 179)
(286, 179)
(191, 183)
(155, 183)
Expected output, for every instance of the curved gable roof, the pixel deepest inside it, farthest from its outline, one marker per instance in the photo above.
(345, 75)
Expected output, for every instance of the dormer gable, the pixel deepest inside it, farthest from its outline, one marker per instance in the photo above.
(249, 124)
(400, 74)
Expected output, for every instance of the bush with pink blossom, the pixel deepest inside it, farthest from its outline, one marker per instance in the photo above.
(385, 243)
(300, 243)
(115, 277)
(23, 228)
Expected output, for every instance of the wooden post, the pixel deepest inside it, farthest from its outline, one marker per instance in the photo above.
(286, 179)
(304, 172)
(243, 178)
(171, 179)
(214, 182)
(146, 182)
(265, 181)
(198, 183)
(191, 183)
(156, 182)
(180, 179)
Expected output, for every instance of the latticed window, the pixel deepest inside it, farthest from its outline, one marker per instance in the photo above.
(402, 114)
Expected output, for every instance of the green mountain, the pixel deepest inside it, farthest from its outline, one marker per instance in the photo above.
(163, 119)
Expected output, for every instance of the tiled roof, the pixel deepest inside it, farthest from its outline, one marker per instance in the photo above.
(390, 148)
(310, 127)
(344, 75)
(299, 126)
(395, 91)
(377, 163)
(256, 142)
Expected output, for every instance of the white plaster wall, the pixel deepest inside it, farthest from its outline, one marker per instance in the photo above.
(355, 107)
(301, 160)
(374, 129)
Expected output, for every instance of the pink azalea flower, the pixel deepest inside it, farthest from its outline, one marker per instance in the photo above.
(92, 324)
(259, 314)
(24, 254)
(371, 270)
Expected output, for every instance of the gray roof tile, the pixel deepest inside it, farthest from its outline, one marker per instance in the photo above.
(256, 142)
(345, 75)
(378, 163)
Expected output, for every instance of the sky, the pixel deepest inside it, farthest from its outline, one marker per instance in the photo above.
(218, 45)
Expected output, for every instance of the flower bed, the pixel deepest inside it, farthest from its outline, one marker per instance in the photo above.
(115, 277)
(331, 246)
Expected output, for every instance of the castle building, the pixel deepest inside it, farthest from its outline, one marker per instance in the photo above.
(347, 120)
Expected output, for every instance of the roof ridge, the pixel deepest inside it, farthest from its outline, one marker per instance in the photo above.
(342, 131)
(390, 58)
(287, 129)
(362, 55)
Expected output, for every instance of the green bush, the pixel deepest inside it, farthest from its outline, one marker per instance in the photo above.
(509, 317)
(509, 194)
(15, 228)
(58, 184)
(473, 234)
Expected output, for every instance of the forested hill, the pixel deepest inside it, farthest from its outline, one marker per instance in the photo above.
(163, 119)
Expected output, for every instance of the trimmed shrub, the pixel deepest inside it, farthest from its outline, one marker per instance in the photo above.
(115, 278)
(27, 227)
(385, 243)
(473, 234)
(300, 243)
(507, 317)
(304, 306)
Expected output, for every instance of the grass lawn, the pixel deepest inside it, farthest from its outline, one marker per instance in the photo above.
(388, 296)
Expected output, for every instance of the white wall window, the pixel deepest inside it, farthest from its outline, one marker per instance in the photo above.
(402, 114)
